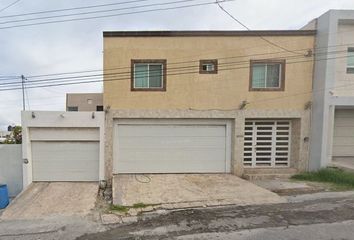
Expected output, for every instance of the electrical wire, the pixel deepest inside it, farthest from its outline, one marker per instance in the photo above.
(113, 15)
(174, 74)
(248, 29)
(127, 74)
(97, 11)
(10, 5)
(71, 9)
(291, 95)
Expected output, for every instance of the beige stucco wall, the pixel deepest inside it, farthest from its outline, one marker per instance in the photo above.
(344, 83)
(80, 100)
(225, 90)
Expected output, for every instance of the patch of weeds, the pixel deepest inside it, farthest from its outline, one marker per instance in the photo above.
(125, 209)
(140, 205)
(119, 208)
(340, 180)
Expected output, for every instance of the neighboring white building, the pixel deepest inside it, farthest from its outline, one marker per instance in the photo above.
(3, 135)
(332, 125)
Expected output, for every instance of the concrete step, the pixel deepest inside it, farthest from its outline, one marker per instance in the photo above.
(268, 173)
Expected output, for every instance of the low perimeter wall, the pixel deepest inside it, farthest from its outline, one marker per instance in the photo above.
(11, 167)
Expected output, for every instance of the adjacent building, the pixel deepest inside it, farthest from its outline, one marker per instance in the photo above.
(332, 126)
(4, 135)
(84, 102)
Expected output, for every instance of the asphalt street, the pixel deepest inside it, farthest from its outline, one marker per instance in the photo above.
(322, 219)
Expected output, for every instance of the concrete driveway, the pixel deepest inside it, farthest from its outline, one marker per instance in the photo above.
(189, 190)
(42, 200)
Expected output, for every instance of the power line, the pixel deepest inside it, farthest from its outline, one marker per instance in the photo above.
(114, 15)
(243, 25)
(287, 96)
(173, 74)
(127, 73)
(170, 70)
(97, 11)
(10, 5)
(190, 61)
(179, 62)
(71, 9)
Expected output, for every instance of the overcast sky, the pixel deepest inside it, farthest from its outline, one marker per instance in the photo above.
(77, 46)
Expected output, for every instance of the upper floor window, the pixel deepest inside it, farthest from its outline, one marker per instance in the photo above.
(350, 60)
(209, 66)
(148, 75)
(267, 75)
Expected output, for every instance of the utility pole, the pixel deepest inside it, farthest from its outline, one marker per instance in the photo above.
(23, 93)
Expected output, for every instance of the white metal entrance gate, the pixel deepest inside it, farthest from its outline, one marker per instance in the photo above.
(267, 143)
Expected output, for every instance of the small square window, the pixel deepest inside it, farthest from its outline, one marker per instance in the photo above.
(267, 75)
(73, 109)
(89, 101)
(99, 108)
(209, 66)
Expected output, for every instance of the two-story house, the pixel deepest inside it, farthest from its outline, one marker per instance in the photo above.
(207, 101)
(332, 127)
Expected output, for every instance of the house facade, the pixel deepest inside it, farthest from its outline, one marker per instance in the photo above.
(207, 101)
(332, 127)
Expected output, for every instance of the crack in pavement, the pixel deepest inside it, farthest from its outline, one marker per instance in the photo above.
(33, 233)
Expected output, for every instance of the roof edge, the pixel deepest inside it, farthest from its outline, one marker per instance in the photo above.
(208, 33)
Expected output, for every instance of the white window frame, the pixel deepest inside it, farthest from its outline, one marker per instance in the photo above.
(148, 75)
(265, 75)
(350, 54)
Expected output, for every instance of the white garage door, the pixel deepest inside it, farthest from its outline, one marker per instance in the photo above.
(172, 147)
(65, 161)
(343, 136)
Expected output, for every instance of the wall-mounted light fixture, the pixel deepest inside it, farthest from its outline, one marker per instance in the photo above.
(93, 115)
(33, 115)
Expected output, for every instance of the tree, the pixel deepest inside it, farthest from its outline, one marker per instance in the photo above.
(15, 136)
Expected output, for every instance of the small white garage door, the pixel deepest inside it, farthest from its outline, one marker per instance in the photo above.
(167, 146)
(65, 154)
(65, 161)
(343, 136)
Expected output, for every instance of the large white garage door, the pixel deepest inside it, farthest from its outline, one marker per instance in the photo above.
(158, 146)
(65, 154)
(343, 136)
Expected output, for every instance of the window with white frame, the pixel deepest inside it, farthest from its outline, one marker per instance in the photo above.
(267, 75)
(149, 75)
(350, 60)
